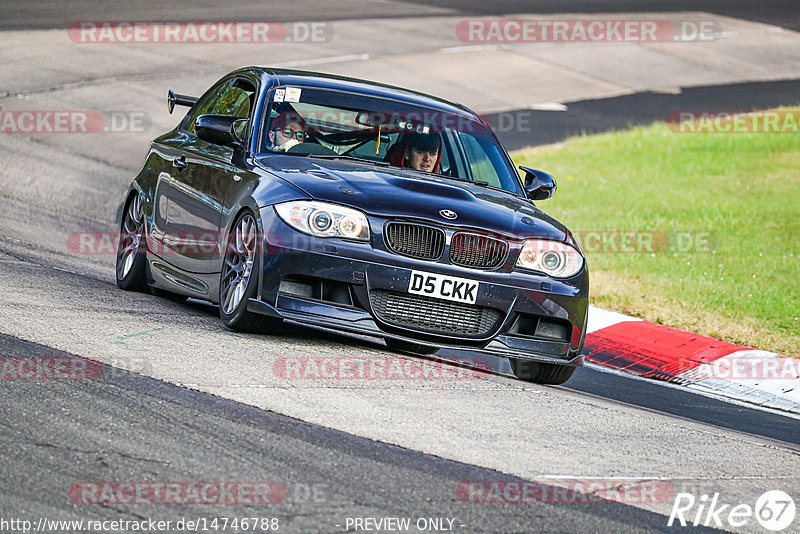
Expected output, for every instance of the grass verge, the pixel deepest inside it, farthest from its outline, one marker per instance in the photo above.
(713, 221)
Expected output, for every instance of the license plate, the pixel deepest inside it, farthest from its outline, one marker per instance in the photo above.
(443, 287)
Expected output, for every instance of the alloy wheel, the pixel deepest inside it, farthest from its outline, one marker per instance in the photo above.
(239, 260)
(131, 237)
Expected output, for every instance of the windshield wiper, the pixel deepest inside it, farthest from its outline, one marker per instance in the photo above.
(349, 158)
(481, 183)
(458, 179)
(387, 164)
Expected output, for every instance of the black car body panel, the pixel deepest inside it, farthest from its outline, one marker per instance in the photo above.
(400, 193)
(194, 190)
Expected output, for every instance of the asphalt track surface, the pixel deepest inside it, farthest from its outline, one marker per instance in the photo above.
(127, 426)
(388, 460)
(599, 115)
(51, 440)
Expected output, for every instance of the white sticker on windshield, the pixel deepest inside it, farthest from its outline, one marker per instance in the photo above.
(293, 94)
(279, 95)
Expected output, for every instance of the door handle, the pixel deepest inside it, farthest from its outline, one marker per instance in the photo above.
(180, 163)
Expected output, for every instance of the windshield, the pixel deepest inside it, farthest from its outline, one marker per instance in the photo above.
(322, 123)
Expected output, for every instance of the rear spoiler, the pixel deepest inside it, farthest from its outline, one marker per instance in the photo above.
(179, 100)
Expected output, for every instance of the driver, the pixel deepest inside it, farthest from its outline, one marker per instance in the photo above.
(286, 130)
(422, 152)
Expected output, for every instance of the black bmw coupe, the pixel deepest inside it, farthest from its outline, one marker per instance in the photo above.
(295, 196)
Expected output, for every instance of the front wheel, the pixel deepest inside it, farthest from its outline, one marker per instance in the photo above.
(131, 258)
(541, 373)
(239, 279)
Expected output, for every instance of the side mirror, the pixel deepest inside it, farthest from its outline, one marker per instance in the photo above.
(219, 129)
(538, 185)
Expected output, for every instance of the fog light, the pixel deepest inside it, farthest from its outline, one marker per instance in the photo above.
(550, 330)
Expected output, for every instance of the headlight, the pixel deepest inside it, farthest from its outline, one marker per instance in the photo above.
(324, 220)
(550, 257)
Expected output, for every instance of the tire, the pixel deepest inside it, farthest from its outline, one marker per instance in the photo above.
(541, 373)
(239, 279)
(405, 346)
(131, 265)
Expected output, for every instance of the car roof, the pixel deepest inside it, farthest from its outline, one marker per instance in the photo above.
(304, 78)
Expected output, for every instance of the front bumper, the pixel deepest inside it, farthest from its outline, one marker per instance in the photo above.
(364, 269)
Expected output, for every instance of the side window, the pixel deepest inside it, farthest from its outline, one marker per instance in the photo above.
(232, 97)
(444, 161)
(479, 162)
(234, 101)
(206, 104)
(454, 164)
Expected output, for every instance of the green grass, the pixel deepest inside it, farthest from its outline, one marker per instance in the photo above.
(743, 189)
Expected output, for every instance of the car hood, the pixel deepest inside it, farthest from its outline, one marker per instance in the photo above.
(393, 192)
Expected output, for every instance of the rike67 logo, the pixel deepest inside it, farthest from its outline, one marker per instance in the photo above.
(774, 510)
